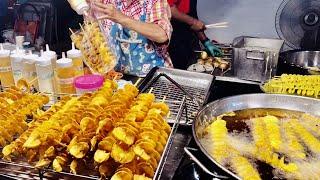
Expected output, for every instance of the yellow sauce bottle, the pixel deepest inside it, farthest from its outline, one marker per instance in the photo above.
(65, 75)
(6, 75)
(77, 61)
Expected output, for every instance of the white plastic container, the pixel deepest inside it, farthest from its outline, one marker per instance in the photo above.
(45, 74)
(6, 75)
(77, 61)
(29, 72)
(16, 58)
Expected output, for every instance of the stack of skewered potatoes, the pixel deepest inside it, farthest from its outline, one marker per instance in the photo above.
(303, 85)
(97, 54)
(16, 107)
(118, 132)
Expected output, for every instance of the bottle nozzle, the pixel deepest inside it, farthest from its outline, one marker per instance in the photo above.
(47, 47)
(63, 55)
(73, 46)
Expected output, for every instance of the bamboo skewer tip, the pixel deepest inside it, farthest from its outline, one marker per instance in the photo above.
(137, 82)
(150, 91)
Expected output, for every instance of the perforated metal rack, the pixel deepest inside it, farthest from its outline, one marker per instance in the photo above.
(22, 170)
(176, 84)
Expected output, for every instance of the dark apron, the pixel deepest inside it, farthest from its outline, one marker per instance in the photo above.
(184, 41)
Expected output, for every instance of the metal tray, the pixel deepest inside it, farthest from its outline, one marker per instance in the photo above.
(19, 169)
(176, 84)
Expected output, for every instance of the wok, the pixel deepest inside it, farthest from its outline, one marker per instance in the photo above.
(299, 62)
(242, 102)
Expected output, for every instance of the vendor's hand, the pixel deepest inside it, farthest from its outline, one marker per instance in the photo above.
(212, 49)
(198, 25)
(108, 11)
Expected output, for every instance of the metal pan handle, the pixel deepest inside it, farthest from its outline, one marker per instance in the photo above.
(194, 159)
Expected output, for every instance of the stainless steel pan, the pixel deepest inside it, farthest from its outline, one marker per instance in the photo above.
(249, 101)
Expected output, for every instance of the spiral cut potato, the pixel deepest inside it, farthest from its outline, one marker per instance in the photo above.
(77, 130)
(223, 152)
(16, 147)
(292, 147)
(96, 52)
(304, 85)
(117, 132)
(264, 151)
(312, 142)
(311, 123)
(16, 108)
(273, 130)
(274, 139)
(152, 135)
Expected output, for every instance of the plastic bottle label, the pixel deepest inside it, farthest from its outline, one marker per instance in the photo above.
(45, 76)
(5, 69)
(66, 81)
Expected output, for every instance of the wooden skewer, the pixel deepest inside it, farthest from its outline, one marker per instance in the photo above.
(33, 80)
(71, 30)
(216, 27)
(169, 114)
(115, 78)
(137, 82)
(164, 99)
(81, 27)
(150, 91)
(218, 24)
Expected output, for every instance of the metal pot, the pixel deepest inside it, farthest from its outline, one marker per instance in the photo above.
(300, 62)
(244, 102)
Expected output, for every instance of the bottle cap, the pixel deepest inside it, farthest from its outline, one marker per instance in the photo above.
(17, 55)
(48, 53)
(74, 53)
(43, 60)
(18, 51)
(64, 62)
(30, 58)
(89, 82)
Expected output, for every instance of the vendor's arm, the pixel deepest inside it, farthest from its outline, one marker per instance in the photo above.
(195, 24)
(152, 31)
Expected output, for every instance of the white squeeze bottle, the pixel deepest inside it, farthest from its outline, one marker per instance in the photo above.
(80, 6)
(29, 69)
(45, 74)
(16, 58)
(51, 54)
(77, 61)
(6, 76)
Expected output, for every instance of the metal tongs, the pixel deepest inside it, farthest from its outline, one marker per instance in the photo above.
(194, 99)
